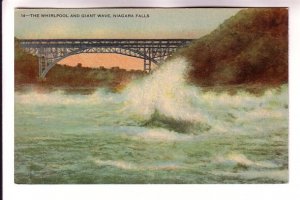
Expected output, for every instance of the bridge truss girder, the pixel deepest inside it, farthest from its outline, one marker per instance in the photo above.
(50, 53)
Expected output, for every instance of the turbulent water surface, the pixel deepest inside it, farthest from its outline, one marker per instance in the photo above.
(158, 130)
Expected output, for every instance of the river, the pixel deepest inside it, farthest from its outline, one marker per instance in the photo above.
(157, 130)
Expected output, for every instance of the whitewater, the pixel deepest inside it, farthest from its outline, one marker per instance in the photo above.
(159, 129)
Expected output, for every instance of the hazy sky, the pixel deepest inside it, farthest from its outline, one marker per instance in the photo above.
(161, 23)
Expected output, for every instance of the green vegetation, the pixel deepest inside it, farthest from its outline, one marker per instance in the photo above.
(248, 48)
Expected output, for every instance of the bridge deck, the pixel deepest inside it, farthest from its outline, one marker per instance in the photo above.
(133, 43)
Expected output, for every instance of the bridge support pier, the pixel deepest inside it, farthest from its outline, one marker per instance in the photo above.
(147, 65)
(42, 65)
(147, 59)
(43, 62)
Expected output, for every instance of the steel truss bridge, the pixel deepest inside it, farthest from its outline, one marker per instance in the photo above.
(51, 51)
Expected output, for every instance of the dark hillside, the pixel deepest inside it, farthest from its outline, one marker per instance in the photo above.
(26, 66)
(248, 48)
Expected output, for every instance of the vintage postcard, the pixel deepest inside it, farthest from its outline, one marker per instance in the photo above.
(151, 95)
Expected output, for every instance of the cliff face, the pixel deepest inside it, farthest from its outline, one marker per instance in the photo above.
(250, 47)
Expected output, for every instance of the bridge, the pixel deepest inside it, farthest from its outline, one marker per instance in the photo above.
(51, 51)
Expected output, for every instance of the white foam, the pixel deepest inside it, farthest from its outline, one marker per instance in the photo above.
(133, 166)
(118, 163)
(160, 134)
(167, 92)
(59, 97)
(237, 158)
